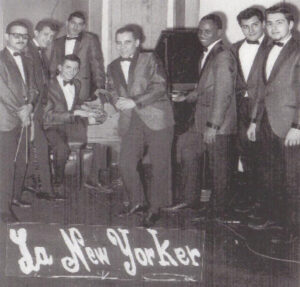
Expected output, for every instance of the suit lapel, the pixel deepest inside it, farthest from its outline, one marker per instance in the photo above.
(61, 93)
(284, 54)
(240, 70)
(14, 70)
(210, 57)
(78, 43)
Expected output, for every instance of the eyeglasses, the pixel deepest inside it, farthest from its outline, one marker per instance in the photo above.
(20, 36)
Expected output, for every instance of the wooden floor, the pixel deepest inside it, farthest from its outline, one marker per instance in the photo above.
(234, 255)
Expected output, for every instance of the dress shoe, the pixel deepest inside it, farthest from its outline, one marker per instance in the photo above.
(97, 186)
(58, 196)
(264, 224)
(150, 219)
(21, 203)
(243, 208)
(137, 209)
(8, 218)
(44, 195)
(30, 189)
(176, 207)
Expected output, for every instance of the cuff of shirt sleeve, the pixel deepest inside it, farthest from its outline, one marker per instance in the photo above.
(211, 125)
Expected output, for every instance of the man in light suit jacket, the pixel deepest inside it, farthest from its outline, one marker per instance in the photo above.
(36, 51)
(250, 54)
(63, 119)
(276, 116)
(17, 100)
(87, 47)
(138, 86)
(215, 118)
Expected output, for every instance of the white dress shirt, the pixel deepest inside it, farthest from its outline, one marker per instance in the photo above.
(247, 54)
(125, 65)
(69, 46)
(206, 53)
(69, 92)
(19, 63)
(273, 55)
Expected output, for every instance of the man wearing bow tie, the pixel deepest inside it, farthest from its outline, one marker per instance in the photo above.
(137, 83)
(87, 47)
(250, 54)
(276, 117)
(44, 33)
(63, 119)
(215, 118)
(17, 100)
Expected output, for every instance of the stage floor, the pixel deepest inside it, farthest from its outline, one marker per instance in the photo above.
(234, 255)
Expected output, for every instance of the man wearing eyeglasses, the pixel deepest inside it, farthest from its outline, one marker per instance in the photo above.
(17, 100)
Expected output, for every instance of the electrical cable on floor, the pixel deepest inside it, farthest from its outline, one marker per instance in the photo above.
(254, 251)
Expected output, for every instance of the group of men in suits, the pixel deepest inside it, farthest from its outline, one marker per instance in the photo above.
(29, 99)
(246, 100)
(250, 92)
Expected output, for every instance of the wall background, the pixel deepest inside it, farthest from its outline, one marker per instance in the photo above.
(105, 16)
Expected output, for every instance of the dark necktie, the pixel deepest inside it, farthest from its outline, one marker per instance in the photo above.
(71, 82)
(252, 42)
(43, 62)
(126, 59)
(279, 44)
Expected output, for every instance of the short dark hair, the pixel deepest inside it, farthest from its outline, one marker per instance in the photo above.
(249, 13)
(16, 23)
(77, 14)
(46, 23)
(215, 18)
(71, 57)
(283, 9)
(131, 28)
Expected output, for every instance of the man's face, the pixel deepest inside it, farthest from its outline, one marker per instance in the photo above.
(126, 44)
(208, 32)
(44, 37)
(75, 26)
(68, 70)
(278, 27)
(17, 38)
(252, 28)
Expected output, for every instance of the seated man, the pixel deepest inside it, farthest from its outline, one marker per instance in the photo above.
(63, 119)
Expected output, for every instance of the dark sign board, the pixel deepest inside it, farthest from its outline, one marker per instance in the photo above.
(108, 253)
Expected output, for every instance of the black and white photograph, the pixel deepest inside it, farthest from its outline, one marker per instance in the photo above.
(149, 143)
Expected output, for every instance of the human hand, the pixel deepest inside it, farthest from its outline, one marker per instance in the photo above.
(292, 138)
(210, 135)
(251, 132)
(192, 97)
(125, 104)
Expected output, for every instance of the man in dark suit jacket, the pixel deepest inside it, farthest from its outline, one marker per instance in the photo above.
(36, 51)
(276, 115)
(17, 100)
(87, 47)
(215, 117)
(63, 119)
(138, 86)
(250, 54)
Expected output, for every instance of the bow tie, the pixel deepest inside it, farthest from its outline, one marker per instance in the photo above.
(204, 49)
(71, 82)
(126, 60)
(72, 38)
(252, 42)
(40, 49)
(16, 54)
(279, 44)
